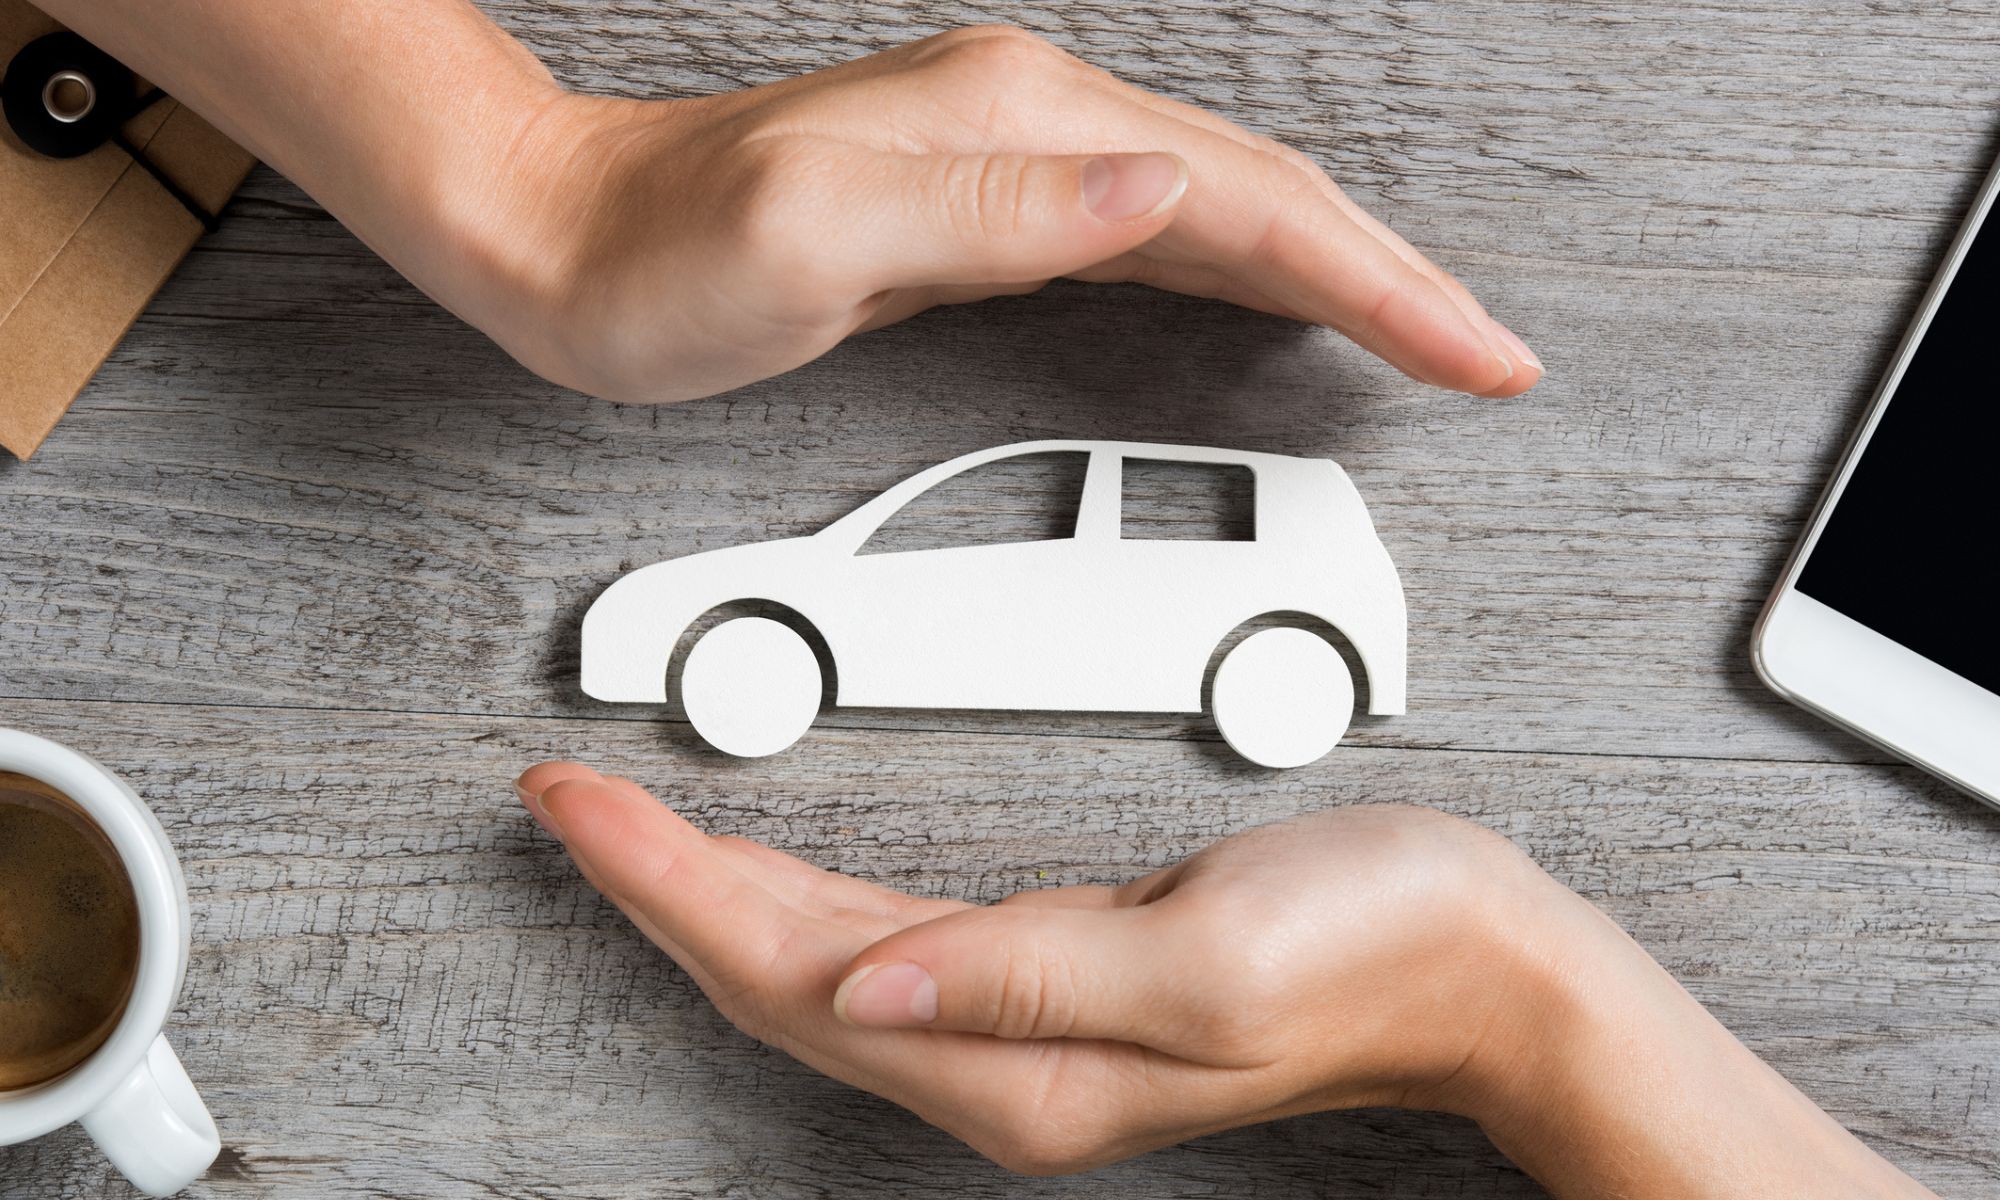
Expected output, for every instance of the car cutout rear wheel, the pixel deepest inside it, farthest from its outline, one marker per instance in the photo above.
(1282, 697)
(751, 686)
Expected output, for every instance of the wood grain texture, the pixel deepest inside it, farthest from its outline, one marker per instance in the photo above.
(307, 560)
(400, 987)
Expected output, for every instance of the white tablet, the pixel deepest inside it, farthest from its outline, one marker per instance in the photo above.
(1887, 618)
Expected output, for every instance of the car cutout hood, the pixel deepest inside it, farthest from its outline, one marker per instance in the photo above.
(629, 631)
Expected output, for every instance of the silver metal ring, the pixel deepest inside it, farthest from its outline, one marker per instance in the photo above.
(69, 116)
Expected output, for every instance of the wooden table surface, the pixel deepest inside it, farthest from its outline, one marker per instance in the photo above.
(306, 564)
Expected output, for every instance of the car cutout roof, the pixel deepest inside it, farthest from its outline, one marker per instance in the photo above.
(1164, 451)
(904, 490)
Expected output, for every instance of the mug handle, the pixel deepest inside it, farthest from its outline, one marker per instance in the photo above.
(154, 1127)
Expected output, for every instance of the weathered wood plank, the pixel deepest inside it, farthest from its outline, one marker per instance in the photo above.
(399, 987)
(300, 486)
(295, 428)
(254, 512)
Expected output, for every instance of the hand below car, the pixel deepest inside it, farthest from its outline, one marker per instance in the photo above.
(1361, 956)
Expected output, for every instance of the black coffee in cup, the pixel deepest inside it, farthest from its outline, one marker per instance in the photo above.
(69, 934)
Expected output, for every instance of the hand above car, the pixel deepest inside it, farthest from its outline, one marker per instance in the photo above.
(1361, 956)
(657, 250)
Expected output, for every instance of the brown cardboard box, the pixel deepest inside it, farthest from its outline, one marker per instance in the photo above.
(85, 242)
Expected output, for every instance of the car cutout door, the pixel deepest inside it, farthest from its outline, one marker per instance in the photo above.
(1192, 578)
(1009, 625)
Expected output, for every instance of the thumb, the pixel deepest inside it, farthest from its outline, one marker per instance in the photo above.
(1012, 218)
(1019, 972)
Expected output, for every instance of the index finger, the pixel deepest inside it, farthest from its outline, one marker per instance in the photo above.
(1271, 228)
(652, 863)
(1202, 119)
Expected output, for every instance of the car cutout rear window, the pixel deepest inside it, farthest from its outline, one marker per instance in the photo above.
(1186, 501)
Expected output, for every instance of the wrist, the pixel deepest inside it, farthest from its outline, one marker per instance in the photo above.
(1573, 984)
(1467, 971)
(514, 220)
(509, 216)
(1530, 973)
(1602, 1076)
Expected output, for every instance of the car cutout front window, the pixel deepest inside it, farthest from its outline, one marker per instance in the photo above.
(1034, 496)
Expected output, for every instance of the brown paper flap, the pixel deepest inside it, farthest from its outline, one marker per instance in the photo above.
(23, 23)
(56, 337)
(207, 166)
(44, 201)
(85, 242)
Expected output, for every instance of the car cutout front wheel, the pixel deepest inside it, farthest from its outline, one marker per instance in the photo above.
(751, 686)
(1282, 697)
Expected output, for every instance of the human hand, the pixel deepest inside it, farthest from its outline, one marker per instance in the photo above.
(1361, 956)
(661, 250)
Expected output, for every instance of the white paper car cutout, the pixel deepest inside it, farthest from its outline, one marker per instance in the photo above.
(1090, 623)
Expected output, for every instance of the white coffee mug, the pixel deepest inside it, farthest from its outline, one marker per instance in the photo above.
(132, 1095)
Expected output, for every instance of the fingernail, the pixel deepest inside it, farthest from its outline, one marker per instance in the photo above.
(1516, 345)
(533, 803)
(1132, 187)
(887, 996)
(534, 806)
